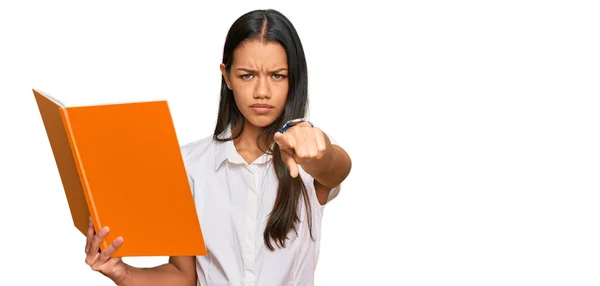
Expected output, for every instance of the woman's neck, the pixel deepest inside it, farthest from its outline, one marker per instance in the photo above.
(246, 144)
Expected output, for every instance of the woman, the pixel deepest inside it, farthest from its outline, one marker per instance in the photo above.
(259, 188)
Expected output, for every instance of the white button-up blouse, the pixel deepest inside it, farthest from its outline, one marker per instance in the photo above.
(233, 200)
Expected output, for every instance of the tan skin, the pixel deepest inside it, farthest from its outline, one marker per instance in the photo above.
(258, 75)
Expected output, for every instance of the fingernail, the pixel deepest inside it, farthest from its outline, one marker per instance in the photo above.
(119, 240)
(104, 230)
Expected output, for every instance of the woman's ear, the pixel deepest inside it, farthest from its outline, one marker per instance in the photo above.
(225, 75)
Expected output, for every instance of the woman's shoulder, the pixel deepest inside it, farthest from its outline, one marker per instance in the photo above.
(197, 149)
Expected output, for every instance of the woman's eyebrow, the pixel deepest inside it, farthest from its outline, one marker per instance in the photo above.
(246, 70)
(254, 71)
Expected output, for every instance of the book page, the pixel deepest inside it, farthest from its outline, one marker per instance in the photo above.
(51, 98)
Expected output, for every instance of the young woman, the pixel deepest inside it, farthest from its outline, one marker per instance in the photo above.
(259, 188)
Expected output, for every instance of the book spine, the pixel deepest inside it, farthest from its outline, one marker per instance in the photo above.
(84, 183)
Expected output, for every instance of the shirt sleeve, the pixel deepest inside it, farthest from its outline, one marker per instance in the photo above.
(184, 155)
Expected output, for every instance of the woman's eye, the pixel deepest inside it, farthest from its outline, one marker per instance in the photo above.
(278, 76)
(246, 76)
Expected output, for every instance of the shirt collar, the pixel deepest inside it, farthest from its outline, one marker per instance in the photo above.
(226, 151)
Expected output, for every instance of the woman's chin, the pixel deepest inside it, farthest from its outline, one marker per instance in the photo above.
(261, 122)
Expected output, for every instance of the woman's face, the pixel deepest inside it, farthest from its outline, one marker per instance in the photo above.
(259, 80)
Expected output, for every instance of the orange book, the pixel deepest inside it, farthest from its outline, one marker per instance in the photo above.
(121, 164)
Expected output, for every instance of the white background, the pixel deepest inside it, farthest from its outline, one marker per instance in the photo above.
(473, 127)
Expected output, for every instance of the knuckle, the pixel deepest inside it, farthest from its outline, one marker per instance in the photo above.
(90, 259)
(321, 154)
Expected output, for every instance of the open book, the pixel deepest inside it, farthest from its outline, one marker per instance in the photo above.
(121, 164)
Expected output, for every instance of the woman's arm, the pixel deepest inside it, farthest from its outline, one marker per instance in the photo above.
(311, 148)
(180, 271)
(332, 168)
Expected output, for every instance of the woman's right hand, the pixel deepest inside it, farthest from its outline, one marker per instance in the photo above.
(101, 261)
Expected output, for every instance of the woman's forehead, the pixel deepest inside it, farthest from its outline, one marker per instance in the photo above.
(260, 54)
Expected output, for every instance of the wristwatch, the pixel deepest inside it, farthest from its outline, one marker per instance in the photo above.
(293, 122)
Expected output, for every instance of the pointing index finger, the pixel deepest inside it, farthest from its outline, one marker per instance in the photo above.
(284, 141)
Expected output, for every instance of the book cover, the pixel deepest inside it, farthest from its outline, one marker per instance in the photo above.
(121, 164)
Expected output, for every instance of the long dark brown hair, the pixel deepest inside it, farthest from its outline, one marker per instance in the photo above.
(271, 25)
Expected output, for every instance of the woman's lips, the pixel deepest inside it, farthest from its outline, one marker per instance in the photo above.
(261, 108)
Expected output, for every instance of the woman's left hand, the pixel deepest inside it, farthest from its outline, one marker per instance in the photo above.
(301, 144)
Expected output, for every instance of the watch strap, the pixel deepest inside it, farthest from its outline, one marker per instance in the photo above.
(293, 122)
